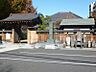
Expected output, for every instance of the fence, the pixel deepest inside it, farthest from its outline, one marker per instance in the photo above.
(59, 36)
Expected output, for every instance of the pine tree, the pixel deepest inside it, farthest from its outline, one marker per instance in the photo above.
(21, 6)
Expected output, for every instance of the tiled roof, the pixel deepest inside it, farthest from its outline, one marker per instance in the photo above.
(89, 21)
(64, 15)
(19, 16)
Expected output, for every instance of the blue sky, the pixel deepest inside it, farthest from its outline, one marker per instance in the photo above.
(49, 7)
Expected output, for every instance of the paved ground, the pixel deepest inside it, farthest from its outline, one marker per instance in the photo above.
(41, 60)
(21, 66)
(24, 58)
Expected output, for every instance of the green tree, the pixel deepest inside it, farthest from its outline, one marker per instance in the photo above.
(4, 9)
(45, 22)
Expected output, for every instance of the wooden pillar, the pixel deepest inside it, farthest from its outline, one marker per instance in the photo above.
(32, 36)
(3, 36)
(13, 36)
(92, 37)
(28, 36)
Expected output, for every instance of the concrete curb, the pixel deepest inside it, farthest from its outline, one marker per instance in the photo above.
(90, 49)
(7, 49)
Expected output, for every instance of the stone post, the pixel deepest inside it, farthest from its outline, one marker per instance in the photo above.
(51, 33)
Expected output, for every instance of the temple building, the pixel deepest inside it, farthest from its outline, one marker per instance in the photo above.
(72, 33)
(14, 28)
(79, 30)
